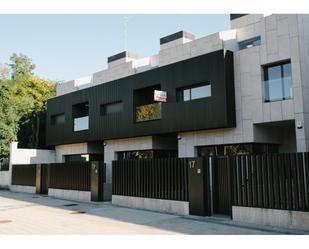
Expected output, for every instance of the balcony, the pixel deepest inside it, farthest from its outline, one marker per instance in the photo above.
(148, 112)
(81, 123)
(278, 89)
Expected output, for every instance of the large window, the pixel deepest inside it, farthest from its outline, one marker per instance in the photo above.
(80, 116)
(237, 149)
(146, 154)
(110, 108)
(277, 82)
(194, 92)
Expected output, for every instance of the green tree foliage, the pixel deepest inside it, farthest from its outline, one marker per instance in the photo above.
(23, 101)
(4, 72)
(21, 66)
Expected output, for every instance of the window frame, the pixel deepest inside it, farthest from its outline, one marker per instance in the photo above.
(282, 76)
(180, 91)
(249, 43)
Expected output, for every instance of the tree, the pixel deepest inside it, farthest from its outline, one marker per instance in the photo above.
(23, 101)
(8, 118)
(21, 66)
(4, 72)
(32, 101)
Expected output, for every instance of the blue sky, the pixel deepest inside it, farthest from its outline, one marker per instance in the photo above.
(66, 47)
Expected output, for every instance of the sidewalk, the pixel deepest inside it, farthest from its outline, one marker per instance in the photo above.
(22, 213)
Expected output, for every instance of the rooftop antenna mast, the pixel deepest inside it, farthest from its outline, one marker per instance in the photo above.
(126, 19)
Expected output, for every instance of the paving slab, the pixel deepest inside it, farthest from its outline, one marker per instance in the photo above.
(22, 213)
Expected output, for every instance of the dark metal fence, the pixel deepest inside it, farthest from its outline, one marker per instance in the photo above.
(277, 181)
(70, 176)
(164, 178)
(4, 164)
(24, 174)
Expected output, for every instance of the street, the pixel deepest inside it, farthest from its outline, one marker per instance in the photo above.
(22, 213)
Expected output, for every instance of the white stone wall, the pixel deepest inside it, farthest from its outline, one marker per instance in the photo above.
(25, 156)
(76, 149)
(113, 73)
(282, 37)
(302, 69)
(23, 189)
(74, 195)
(160, 205)
(113, 146)
(30, 156)
(70, 149)
(271, 217)
(66, 87)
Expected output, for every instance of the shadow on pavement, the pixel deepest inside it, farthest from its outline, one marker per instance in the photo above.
(181, 224)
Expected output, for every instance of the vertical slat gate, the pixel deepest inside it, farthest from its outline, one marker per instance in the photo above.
(164, 178)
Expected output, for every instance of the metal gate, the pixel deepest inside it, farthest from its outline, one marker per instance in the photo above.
(221, 186)
(44, 179)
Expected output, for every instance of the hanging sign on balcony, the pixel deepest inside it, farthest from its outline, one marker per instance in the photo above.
(160, 96)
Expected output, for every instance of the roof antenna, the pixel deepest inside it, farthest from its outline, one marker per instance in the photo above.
(126, 19)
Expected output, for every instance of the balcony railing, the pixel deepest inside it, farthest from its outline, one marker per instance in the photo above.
(81, 123)
(148, 112)
(278, 89)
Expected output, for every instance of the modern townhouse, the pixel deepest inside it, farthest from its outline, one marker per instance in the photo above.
(244, 90)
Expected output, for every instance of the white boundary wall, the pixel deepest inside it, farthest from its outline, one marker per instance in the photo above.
(74, 195)
(166, 206)
(271, 217)
(23, 189)
(25, 156)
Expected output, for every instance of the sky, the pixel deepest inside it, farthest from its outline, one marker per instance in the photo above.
(66, 47)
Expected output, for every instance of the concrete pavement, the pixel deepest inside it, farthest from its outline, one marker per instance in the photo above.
(22, 213)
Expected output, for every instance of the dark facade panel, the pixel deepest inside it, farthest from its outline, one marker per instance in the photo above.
(217, 111)
(176, 36)
(120, 56)
(235, 16)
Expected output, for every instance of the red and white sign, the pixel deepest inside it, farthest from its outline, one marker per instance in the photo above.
(160, 96)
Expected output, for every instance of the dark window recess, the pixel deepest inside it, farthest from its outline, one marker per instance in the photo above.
(146, 109)
(110, 108)
(194, 92)
(57, 119)
(237, 149)
(76, 158)
(80, 115)
(278, 82)
(146, 154)
(255, 41)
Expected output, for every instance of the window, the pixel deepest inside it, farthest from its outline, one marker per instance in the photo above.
(277, 82)
(81, 124)
(76, 158)
(146, 154)
(194, 92)
(57, 119)
(146, 109)
(255, 41)
(80, 116)
(110, 108)
(236, 149)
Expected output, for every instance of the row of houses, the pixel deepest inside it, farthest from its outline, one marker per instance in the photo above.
(235, 92)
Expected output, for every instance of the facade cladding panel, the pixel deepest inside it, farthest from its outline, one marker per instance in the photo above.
(217, 111)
